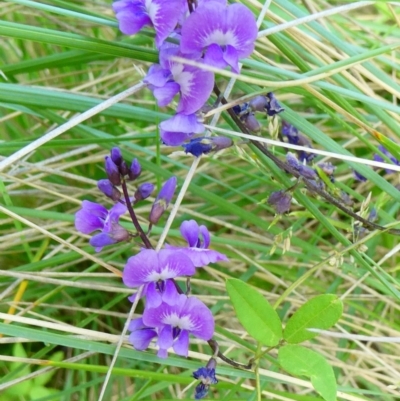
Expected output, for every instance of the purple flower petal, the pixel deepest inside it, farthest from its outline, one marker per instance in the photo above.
(189, 314)
(164, 15)
(170, 294)
(141, 339)
(131, 15)
(201, 257)
(140, 267)
(179, 128)
(141, 334)
(90, 218)
(190, 232)
(157, 76)
(206, 236)
(100, 240)
(153, 296)
(165, 338)
(231, 58)
(113, 217)
(215, 56)
(165, 94)
(214, 23)
(196, 86)
(175, 264)
(171, 138)
(181, 344)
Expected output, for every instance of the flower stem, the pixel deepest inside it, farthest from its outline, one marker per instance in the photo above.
(134, 219)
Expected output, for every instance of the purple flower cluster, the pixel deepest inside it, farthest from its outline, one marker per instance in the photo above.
(214, 34)
(169, 315)
(94, 217)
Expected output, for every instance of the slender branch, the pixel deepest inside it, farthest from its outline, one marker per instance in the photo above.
(134, 219)
(215, 347)
(310, 184)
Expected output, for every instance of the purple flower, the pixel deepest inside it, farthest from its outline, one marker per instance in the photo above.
(163, 15)
(163, 199)
(93, 217)
(379, 158)
(198, 239)
(203, 145)
(169, 78)
(155, 270)
(112, 171)
(141, 335)
(281, 201)
(267, 103)
(144, 191)
(175, 322)
(359, 177)
(303, 170)
(206, 375)
(180, 128)
(295, 138)
(224, 33)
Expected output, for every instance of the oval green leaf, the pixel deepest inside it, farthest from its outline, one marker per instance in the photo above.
(255, 313)
(300, 361)
(321, 312)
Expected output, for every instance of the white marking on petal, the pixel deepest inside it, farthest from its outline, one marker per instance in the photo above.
(185, 81)
(183, 322)
(164, 274)
(221, 38)
(152, 9)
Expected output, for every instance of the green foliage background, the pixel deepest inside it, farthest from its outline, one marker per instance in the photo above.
(337, 77)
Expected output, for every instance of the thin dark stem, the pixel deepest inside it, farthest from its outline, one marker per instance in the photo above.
(310, 184)
(215, 347)
(134, 219)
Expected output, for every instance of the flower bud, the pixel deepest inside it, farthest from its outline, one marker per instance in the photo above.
(109, 190)
(251, 123)
(204, 145)
(280, 201)
(112, 171)
(163, 199)
(272, 105)
(258, 103)
(116, 155)
(123, 169)
(144, 191)
(135, 170)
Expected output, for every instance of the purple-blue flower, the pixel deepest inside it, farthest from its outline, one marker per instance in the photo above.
(224, 33)
(180, 128)
(280, 201)
(175, 322)
(206, 375)
(163, 199)
(170, 78)
(203, 145)
(379, 158)
(303, 170)
(198, 239)
(155, 270)
(163, 15)
(295, 138)
(94, 217)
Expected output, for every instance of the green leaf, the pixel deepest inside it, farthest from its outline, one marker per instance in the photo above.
(255, 313)
(321, 312)
(300, 361)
